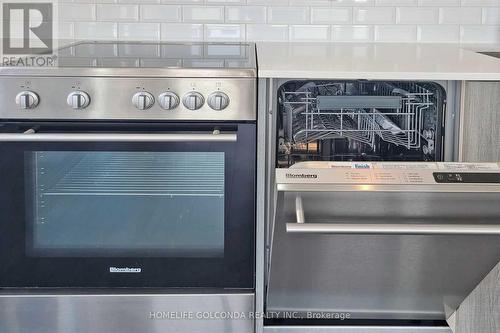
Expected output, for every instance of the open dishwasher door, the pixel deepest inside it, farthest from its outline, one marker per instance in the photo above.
(403, 241)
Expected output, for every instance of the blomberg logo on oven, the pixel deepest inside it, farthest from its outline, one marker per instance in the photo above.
(124, 270)
(301, 175)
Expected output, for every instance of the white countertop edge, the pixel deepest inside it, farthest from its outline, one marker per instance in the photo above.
(298, 74)
(377, 61)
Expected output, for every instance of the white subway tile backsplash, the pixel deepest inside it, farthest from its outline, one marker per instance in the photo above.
(310, 2)
(161, 13)
(203, 14)
(310, 32)
(338, 15)
(479, 34)
(354, 3)
(417, 15)
(396, 33)
(225, 32)
(182, 2)
(139, 31)
(225, 2)
(480, 2)
(96, 30)
(181, 31)
(460, 15)
(491, 15)
(77, 12)
(396, 2)
(438, 33)
(436, 21)
(140, 2)
(117, 12)
(375, 15)
(66, 30)
(268, 2)
(267, 32)
(246, 14)
(353, 33)
(288, 15)
(438, 3)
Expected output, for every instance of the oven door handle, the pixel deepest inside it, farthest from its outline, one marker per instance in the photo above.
(30, 136)
(301, 227)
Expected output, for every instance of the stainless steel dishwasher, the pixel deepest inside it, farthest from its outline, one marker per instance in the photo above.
(370, 226)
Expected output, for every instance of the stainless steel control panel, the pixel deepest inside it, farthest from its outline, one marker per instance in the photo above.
(367, 174)
(88, 98)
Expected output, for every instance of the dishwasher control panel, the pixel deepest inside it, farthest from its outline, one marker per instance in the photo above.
(389, 173)
(467, 177)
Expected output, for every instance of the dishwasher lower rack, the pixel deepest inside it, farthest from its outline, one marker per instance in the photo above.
(377, 120)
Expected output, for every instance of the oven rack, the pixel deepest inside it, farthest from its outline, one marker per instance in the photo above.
(134, 173)
(394, 113)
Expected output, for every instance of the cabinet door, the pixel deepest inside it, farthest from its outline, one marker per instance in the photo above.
(480, 142)
(480, 123)
(480, 312)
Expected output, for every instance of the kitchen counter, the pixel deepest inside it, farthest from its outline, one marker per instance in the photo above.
(387, 61)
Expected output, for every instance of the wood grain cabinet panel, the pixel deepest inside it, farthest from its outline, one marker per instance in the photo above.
(480, 122)
(480, 142)
(480, 312)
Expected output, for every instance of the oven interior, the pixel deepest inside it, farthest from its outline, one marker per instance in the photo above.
(360, 121)
(175, 198)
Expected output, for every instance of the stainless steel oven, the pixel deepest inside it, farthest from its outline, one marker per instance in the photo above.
(128, 196)
(127, 206)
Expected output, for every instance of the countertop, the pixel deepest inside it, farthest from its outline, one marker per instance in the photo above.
(387, 61)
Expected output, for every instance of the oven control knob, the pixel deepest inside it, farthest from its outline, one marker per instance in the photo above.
(143, 100)
(78, 100)
(193, 100)
(168, 100)
(218, 101)
(27, 100)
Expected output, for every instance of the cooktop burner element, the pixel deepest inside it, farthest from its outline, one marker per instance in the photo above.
(136, 81)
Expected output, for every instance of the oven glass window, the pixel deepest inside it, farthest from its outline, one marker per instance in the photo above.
(103, 203)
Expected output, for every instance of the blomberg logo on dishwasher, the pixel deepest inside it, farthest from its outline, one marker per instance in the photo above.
(301, 175)
(124, 270)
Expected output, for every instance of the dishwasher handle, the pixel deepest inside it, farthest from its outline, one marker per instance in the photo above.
(31, 136)
(301, 227)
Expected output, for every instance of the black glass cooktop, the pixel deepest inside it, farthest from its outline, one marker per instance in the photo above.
(158, 55)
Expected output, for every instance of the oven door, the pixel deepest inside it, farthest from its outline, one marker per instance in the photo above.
(114, 205)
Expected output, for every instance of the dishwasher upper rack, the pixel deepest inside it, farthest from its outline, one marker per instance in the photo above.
(362, 118)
